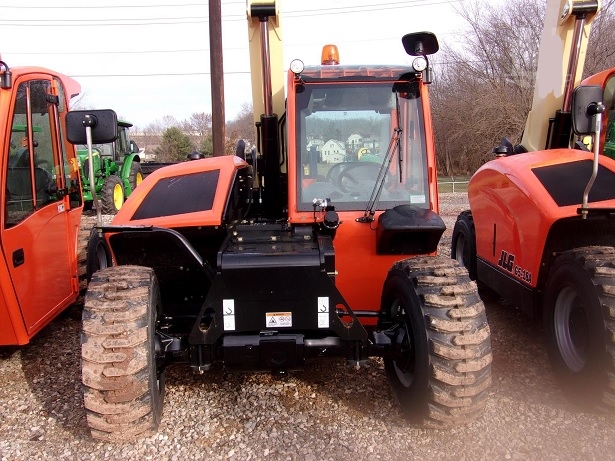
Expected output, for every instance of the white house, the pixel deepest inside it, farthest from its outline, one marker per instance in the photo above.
(333, 151)
(355, 142)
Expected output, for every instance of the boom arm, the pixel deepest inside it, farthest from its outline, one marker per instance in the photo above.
(267, 72)
(268, 102)
(563, 44)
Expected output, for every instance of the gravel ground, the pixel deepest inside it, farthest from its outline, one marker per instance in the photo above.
(325, 412)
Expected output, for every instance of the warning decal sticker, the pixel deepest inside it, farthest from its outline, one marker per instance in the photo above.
(278, 319)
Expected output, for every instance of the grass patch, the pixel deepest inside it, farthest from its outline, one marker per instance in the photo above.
(453, 184)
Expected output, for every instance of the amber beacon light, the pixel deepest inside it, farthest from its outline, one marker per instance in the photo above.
(330, 55)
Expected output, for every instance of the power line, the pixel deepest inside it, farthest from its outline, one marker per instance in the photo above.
(174, 74)
(198, 50)
(366, 8)
(99, 7)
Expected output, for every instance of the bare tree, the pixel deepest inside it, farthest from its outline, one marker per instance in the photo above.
(484, 89)
(242, 127)
(197, 127)
(600, 52)
(485, 85)
(199, 122)
(168, 121)
(80, 102)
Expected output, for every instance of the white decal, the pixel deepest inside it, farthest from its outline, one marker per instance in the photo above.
(228, 312)
(323, 312)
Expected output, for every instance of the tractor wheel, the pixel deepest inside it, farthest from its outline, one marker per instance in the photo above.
(112, 195)
(98, 254)
(440, 371)
(579, 316)
(463, 244)
(123, 382)
(136, 175)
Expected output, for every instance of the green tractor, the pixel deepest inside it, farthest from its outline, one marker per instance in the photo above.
(116, 171)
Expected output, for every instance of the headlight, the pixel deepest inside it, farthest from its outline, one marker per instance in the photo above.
(296, 66)
(419, 64)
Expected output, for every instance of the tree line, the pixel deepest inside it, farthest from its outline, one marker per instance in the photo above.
(172, 140)
(485, 83)
(483, 89)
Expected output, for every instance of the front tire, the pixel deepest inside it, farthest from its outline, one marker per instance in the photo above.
(98, 254)
(441, 370)
(579, 320)
(123, 385)
(112, 195)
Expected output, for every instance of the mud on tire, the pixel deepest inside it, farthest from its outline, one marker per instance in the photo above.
(123, 388)
(443, 371)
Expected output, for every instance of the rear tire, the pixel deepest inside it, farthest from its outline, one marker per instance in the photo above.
(463, 244)
(112, 195)
(136, 175)
(439, 327)
(123, 385)
(579, 307)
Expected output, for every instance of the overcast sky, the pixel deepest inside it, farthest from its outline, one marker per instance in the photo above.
(150, 58)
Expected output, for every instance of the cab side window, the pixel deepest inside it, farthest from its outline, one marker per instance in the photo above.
(31, 180)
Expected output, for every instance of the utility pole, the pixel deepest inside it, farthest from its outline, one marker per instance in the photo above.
(217, 77)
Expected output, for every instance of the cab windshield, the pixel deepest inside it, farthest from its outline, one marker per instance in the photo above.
(347, 134)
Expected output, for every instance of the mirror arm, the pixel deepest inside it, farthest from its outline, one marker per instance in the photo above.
(595, 110)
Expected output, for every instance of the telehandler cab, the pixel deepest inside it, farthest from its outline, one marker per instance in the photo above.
(42, 236)
(298, 250)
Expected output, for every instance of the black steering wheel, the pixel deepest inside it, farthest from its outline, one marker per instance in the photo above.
(356, 173)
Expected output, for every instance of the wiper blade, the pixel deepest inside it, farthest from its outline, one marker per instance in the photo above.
(368, 216)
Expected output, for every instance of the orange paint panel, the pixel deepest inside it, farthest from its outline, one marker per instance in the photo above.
(361, 272)
(513, 212)
(36, 287)
(12, 329)
(227, 165)
(44, 281)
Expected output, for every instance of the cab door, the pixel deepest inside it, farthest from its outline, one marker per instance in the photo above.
(36, 238)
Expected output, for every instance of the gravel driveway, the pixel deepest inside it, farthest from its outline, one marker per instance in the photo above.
(327, 411)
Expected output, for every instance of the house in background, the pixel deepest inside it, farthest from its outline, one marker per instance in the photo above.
(333, 151)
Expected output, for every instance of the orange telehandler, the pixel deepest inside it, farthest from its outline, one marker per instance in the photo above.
(541, 229)
(297, 250)
(44, 254)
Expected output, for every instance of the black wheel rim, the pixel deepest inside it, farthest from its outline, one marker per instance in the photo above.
(571, 328)
(460, 249)
(404, 367)
(100, 257)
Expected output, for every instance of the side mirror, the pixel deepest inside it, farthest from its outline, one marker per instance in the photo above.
(586, 103)
(102, 122)
(420, 43)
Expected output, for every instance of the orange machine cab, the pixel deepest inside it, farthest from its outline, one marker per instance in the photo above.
(41, 206)
(361, 269)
